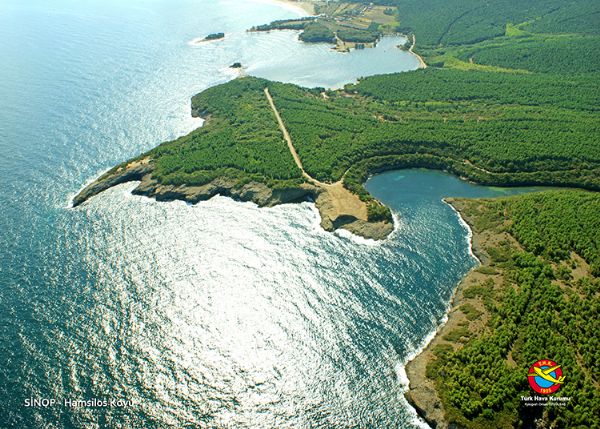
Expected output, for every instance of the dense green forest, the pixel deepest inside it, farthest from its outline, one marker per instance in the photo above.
(516, 64)
(479, 127)
(458, 22)
(285, 24)
(511, 97)
(514, 118)
(358, 36)
(554, 224)
(475, 116)
(240, 140)
(544, 306)
(316, 32)
(579, 93)
(573, 53)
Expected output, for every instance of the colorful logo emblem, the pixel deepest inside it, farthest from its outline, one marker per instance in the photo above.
(545, 377)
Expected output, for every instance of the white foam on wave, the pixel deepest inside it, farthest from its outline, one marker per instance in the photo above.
(467, 227)
(232, 73)
(402, 376)
(401, 371)
(197, 122)
(343, 233)
(401, 366)
(72, 195)
(397, 224)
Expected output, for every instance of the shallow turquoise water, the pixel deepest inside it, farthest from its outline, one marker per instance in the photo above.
(219, 314)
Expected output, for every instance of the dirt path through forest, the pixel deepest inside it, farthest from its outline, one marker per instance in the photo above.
(337, 201)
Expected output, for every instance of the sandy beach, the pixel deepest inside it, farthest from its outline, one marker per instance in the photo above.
(302, 8)
(422, 63)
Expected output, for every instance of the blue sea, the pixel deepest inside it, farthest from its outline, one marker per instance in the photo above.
(130, 313)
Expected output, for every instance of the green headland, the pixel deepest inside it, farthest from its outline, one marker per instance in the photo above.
(511, 97)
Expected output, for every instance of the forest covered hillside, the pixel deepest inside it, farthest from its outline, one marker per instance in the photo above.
(511, 97)
(508, 120)
(460, 22)
(538, 293)
(536, 297)
(510, 109)
(491, 127)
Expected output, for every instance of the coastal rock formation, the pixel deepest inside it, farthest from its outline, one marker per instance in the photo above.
(136, 170)
(334, 214)
(229, 123)
(340, 208)
(141, 171)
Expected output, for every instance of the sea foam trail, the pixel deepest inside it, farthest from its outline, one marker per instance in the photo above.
(401, 367)
(72, 195)
(467, 227)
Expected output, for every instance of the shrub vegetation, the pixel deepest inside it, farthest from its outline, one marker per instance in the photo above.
(532, 316)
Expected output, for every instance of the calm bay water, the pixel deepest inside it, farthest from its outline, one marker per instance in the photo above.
(215, 315)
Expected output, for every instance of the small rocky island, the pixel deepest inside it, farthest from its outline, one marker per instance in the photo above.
(214, 36)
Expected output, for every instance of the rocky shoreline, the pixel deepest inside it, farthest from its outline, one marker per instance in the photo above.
(422, 393)
(256, 192)
(338, 207)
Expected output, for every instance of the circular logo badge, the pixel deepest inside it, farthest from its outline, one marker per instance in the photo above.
(545, 376)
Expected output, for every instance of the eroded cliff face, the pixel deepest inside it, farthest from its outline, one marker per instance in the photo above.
(334, 214)
(142, 170)
(133, 171)
(337, 212)
(256, 192)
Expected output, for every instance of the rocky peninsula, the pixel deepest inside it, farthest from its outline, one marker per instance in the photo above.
(338, 208)
(165, 173)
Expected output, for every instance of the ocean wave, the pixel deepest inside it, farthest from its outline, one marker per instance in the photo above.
(466, 226)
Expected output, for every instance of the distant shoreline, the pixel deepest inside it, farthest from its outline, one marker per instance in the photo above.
(301, 7)
(422, 63)
(305, 8)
